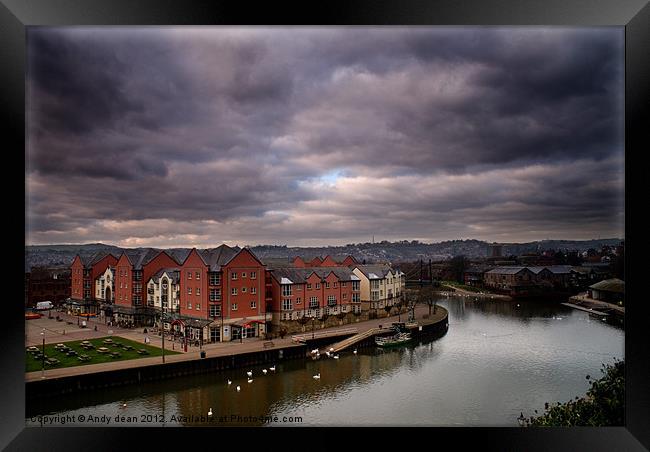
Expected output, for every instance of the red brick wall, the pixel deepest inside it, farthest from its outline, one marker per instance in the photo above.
(124, 282)
(193, 265)
(244, 261)
(100, 267)
(76, 279)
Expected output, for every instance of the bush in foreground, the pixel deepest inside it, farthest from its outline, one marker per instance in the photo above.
(604, 404)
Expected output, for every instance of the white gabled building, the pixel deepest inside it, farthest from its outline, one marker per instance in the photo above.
(380, 285)
(163, 289)
(105, 286)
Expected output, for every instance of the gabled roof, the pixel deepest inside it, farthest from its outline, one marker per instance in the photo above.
(179, 254)
(537, 270)
(610, 285)
(506, 270)
(559, 269)
(173, 273)
(141, 256)
(374, 271)
(240, 250)
(300, 275)
(214, 258)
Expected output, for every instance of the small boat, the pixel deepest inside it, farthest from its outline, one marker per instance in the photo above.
(398, 339)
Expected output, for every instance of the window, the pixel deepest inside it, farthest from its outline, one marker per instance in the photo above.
(198, 275)
(253, 290)
(298, 300)
(215, 294)
(189, 305)
(317, 285)
(335, 284)
(286, 290)
(189, 275)
(137, 300)
(355, 285)
(313, 302)
(243, 289)
(374, 284)
(331, 300)
(198, 291)
(286, 305)
(233, 291)
(189, 291)
(309, 286)
(253, 304)
(327, 284)
(215, 310)
(234, 306)
(198, 306)
(344, 284)
(233, 276)
(253, 275)
(345, 296)
(243, 274)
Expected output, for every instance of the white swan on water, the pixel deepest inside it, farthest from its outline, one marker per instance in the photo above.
(272, 369)
(317, 376)
(210, 412)
(250, 380)
(249, 373)
(264, 371)
(238, 388)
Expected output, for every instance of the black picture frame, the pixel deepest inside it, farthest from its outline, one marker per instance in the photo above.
(634, 15)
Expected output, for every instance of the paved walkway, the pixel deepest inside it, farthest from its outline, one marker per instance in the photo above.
(54, 334)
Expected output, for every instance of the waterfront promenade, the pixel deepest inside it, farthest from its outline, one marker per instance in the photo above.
(54, 334)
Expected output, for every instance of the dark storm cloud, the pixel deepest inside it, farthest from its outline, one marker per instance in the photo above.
(187, 135)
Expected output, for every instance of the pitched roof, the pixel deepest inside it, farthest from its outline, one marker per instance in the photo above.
(173, 273)
(506, 270)
(141, 256)
(610, 285)
(299, 275)
(375, 271)
(214, 258)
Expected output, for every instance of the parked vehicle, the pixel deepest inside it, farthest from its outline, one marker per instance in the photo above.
(44, 305)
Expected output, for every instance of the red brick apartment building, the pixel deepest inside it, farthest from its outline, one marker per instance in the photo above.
(212, 295)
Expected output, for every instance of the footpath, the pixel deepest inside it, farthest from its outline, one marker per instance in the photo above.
(54, 333)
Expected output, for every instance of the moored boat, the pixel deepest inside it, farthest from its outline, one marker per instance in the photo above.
(398, 339)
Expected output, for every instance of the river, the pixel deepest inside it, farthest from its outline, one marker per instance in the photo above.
(498, 359)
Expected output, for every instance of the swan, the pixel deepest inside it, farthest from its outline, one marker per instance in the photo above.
(355, 351)
(317, 376)
(229, 382)
(331, 349)
(314, 351)
(335, 356)
(249, 373)
(238, 388)
(272, 368)
(210, 412)
(124, 405)
(250, 380)
(264, 371)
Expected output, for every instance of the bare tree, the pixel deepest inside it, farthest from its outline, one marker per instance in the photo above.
(427, 295)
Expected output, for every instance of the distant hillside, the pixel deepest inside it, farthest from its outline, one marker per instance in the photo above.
(403, 251)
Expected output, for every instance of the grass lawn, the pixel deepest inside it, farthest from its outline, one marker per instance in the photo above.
(34, 364)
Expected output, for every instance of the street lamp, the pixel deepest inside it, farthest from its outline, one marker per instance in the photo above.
(43, 357)
(313, 317)
(162, 329)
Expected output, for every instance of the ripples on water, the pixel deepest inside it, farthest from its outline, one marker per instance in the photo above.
(495, 361)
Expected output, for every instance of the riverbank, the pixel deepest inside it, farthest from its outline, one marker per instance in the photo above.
(458, 292)
(220, 356)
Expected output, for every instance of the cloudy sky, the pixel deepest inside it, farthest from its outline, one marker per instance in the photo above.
(196, 136)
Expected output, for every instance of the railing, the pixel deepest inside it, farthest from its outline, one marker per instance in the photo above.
(319, 334)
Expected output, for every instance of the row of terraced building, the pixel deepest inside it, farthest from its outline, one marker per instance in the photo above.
(228, 293)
